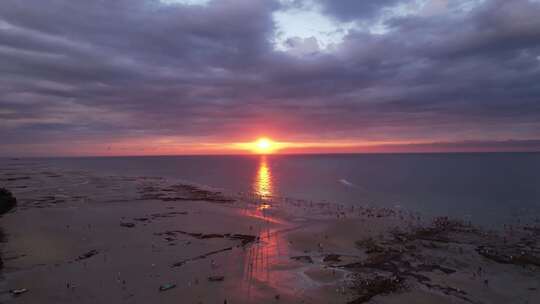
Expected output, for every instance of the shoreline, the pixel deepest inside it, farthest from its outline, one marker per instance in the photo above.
(472, 188)
(117, 239)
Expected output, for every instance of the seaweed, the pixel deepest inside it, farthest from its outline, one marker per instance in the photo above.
(367, 288)
(87, 255)
(507, 255)
(303, 258)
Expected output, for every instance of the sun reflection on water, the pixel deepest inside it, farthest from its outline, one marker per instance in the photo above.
(262, 260)
(263, 181)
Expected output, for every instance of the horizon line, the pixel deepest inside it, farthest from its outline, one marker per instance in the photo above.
(276, 154)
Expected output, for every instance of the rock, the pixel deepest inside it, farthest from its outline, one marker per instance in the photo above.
(370, 245)
(508, 255)
(245, 238)
(332, 258)
(127, 225)
(7, 200)
(141, 219)
(303, 258)
(167, 286)
(216, 278)
(18, 292)
(87, 255)
(367, 288)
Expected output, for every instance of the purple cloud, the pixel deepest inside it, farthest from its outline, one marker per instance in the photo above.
(116, 70)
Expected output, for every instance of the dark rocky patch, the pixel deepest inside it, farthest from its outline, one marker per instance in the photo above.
(2, 239)
(450, 291)
(332, 258)
(168, 214)
(87, 255)
(200, 257)
(509, 255)
(43, 202)
(432, 267)
(141, 219)
(533, 229)
(216, 278)
(303, 258)
(370, 245)
(14, 179)
(182, 193)
(244, 238)
(127, 224)
(402, 259)
(366, 288)
(7, 200)
(412, 254)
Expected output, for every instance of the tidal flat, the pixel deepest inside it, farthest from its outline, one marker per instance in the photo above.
(80, 237)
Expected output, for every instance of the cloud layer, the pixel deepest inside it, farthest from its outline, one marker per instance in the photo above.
(105, 72)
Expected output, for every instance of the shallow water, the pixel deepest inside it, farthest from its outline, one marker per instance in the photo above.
(486, 188)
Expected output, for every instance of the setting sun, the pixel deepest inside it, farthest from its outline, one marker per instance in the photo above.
(264, 145)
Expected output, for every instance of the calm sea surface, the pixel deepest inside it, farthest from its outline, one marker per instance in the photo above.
(489, 189)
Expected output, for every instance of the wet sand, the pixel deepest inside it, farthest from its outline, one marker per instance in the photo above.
(76, 237)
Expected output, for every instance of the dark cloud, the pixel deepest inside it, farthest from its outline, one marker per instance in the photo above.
(112, 70)
(345, 10)
(463, 146)
(349, 10)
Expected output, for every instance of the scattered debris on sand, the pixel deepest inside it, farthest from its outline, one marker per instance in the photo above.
(303, 258)
(167, 286)
(509, 255)
(127, 224)
(370, 245)
(200, 257)
(18, 292)
(411, 256)
(332, 258)
(368, 286)
(141, 219)
(168, 214)
(244, 238)
(44, 202)
(216, 278)
(87, 255)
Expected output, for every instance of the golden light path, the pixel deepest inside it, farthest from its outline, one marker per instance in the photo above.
(263, 182)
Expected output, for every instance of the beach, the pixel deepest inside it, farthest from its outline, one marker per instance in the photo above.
(82, 237)
(270, 151)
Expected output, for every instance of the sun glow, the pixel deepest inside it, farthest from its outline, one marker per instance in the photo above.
(264, 145)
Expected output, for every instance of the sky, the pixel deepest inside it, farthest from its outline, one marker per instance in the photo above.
(144, 77)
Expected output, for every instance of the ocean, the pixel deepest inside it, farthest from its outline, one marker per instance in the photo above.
(489, 189)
